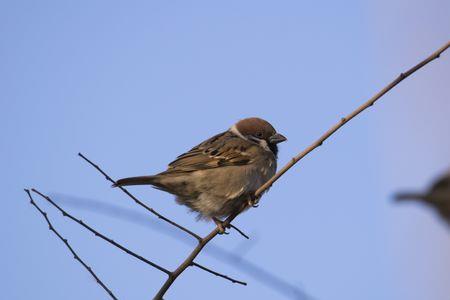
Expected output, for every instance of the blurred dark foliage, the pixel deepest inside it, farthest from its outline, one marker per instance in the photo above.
(437, 196)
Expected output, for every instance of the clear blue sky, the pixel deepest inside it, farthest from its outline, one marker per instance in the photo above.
(133, 84)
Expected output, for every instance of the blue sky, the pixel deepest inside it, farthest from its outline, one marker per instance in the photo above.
(132, 85)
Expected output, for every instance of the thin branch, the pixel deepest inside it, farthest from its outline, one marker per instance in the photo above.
(240, 231)
(188, 261)
(217, 274)
(100, 235)
(151, 210)
(66, 243)
(121, 247)
(350, 116)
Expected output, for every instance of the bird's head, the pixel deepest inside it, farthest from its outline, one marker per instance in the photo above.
(260, 132)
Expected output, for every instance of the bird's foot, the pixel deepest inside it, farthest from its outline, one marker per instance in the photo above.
(253, 201)
(220, 226)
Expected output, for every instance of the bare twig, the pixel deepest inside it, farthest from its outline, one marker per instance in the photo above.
(217, 274)
(240, 231)
(114, 243)
(203, 242)
(66, 243)
(102, 236)
(140, 202)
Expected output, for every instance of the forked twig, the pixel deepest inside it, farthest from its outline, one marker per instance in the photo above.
(66, 243)
(235, 258)
(112, 242)
(102, 236)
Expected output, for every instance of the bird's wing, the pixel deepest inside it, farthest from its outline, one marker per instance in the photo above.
(224, 149)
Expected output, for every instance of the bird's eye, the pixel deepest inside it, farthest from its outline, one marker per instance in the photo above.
(259, 134)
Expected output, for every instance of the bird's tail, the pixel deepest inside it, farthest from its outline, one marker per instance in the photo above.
(139, 180)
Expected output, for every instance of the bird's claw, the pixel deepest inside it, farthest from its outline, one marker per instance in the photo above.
(253, 202)
(221, 228)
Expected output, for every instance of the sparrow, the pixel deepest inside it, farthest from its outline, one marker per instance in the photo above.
(218, 176)
(437, 196)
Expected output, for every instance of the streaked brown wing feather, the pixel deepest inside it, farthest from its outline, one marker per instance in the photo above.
(224, 149)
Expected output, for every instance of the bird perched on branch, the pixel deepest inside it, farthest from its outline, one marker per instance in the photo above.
(437, 196)
(216, 177)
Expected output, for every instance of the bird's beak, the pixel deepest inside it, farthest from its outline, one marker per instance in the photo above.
(277, 138)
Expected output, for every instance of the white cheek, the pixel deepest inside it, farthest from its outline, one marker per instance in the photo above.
(264, 145)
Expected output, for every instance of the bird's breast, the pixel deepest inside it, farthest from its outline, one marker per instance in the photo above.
(265, 169)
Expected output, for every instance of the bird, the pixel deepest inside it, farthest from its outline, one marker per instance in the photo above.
(437, 196)
(221, 174)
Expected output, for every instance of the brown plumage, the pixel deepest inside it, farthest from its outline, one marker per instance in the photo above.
(215, 177)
